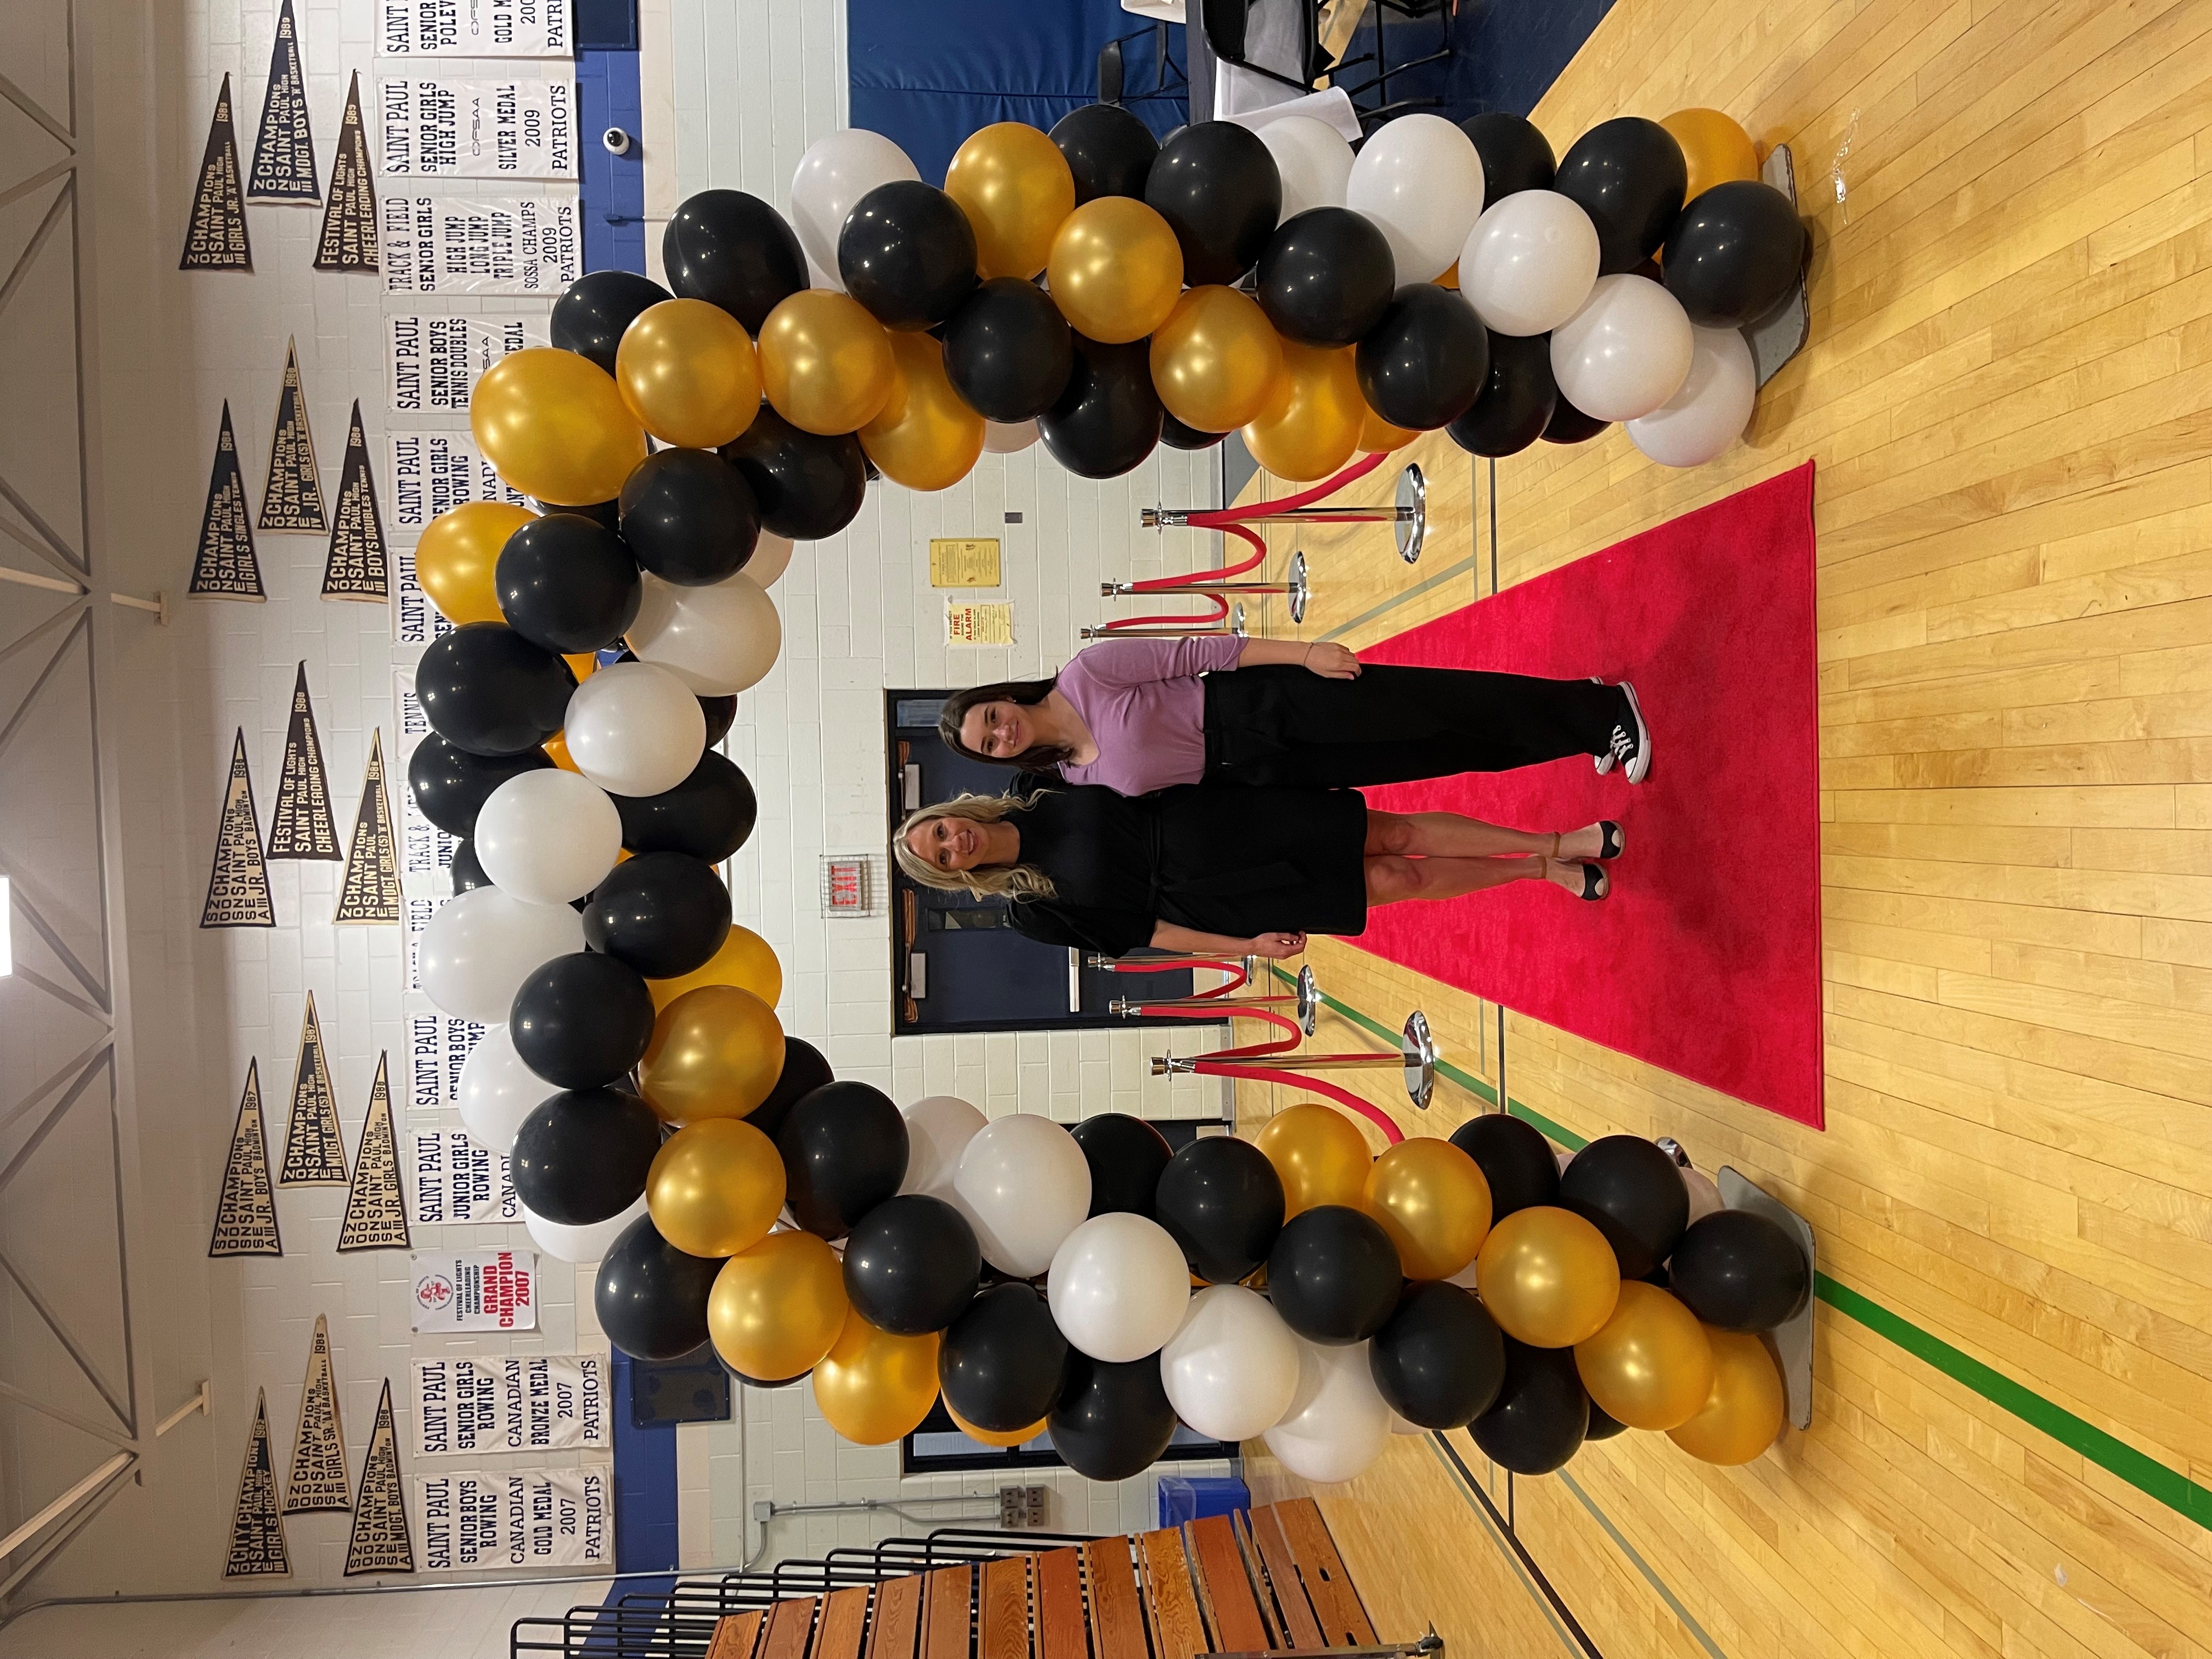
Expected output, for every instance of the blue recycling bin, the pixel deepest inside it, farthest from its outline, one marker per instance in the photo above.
(1191, 1498)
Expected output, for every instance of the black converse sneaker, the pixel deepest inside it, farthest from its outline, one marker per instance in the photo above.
(1630, 744)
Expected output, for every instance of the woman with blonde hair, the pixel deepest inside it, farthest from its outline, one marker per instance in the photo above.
(1233, 871)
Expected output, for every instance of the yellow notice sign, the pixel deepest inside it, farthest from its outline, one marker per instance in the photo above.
(978, 624)
(957, 563)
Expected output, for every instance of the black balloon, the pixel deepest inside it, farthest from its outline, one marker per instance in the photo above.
(1515, 156)
(1733, 252)
(468, 874)
(1175, 435)
(807, 487)
(486, 689)
(606, 513)
(450, 785)
(1326, 276)
(1568, 425)
(1601, 1426)
(662, 914)
(1222, 1200)
(1440, 1360)
(1334, 1274)
(581, 1021)
(651, 1298)
(804, 1072)
(589, 319)
(582, 1156)
(1738, 1270)
(1109, 151)
(1541, 1412)
(709, 815)
(1628, 174)
(737, 1376)
(1008, 351)
(734, 250)
(1107, 420)
(908, 253)
(1216, 186)
(567, 583)
(721, 712)
(1515, 402)
(1632, 1192)
(1426, 361)
(911, 1265)
(1514, 1160)
(844, 1151)
(689, 517)
(1125, 1155)
(1112, 1421)
(1002, 1360)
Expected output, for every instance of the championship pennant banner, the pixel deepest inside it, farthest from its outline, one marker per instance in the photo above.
(492, 1518)
(433, 363)
(457, 1291)
(481, 244)
(435, 128)
(467, 1406)
(473, 28)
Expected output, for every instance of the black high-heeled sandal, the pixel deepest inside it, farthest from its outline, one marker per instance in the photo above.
(1609, 841)
(1597, 884)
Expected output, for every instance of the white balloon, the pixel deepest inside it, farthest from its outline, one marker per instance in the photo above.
(1626, 352)
(482, 944)
(1704, 1196)
(1338, 1422)
(771, 557)
(1118, 1287)
(1420, 179)
(716, 639)
(498, 1092)
(1009, 437)
(938, 1130)
(547, 836)
(1711, 410)
(1023, 1185)
(1530, 262)
(834, 174)
(585, 1243)
(635, 728)
(1231, 1368)
(1313, 160)
(1399, 1425)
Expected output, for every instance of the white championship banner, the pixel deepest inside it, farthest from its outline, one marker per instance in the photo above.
(485, 1519)
(433, 472)
(453, 1181)
(480, 244)
(415, 619)
(433, 363)
(457, 1291)
(435, 128)
(414, 912)
(426, 856)
(438, 1045)
(472, 1406)
(474, 28)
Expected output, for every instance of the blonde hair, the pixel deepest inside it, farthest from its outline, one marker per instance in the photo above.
(992, 881)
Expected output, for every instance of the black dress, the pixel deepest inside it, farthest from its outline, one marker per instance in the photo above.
(1235, 862)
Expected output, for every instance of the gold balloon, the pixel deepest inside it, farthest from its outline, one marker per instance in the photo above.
(994, 1436)
(824, 363)
(1716, 148)
(553, 425)
(457, 554)
(714, 1189)
(1743, 1415)
(1548, 1277)
(1310, 422)
(1116, 270)
(1013, 184)
(582, 664)
(874, 1386)
(686, 369)
(1651, 1367)
(776, 1308)
(1215, 359)
(1431, 1198)
(1319, 1153)
(1450, 279)
(925, 438)
(556, 749)
(716, 1052)
(745, 961)
(1378, 437)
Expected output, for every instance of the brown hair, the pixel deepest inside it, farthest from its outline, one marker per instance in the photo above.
(1025, 693)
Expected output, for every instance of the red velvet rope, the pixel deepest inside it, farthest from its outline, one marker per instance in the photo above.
(1375, 1114)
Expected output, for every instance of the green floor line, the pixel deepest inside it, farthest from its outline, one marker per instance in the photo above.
(1461, 1477)
(2169, 1486)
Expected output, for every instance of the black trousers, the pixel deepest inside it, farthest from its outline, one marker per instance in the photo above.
(1281, 724)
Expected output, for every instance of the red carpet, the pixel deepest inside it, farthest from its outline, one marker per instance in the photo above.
(1706, 958)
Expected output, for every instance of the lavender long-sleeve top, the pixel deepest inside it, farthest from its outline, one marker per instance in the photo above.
(1144, 707)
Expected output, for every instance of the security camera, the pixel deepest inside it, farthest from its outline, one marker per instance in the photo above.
(615, 140)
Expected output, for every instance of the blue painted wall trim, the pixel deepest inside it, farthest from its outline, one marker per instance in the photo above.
(644, 1485)
(614, 185)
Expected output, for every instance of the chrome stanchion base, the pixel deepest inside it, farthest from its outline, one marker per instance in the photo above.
(1418, 1051)
(1412, 526)
(1308, 1000)
(1295, 589)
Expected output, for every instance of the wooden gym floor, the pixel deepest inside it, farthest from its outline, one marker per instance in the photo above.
(2008, 393)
